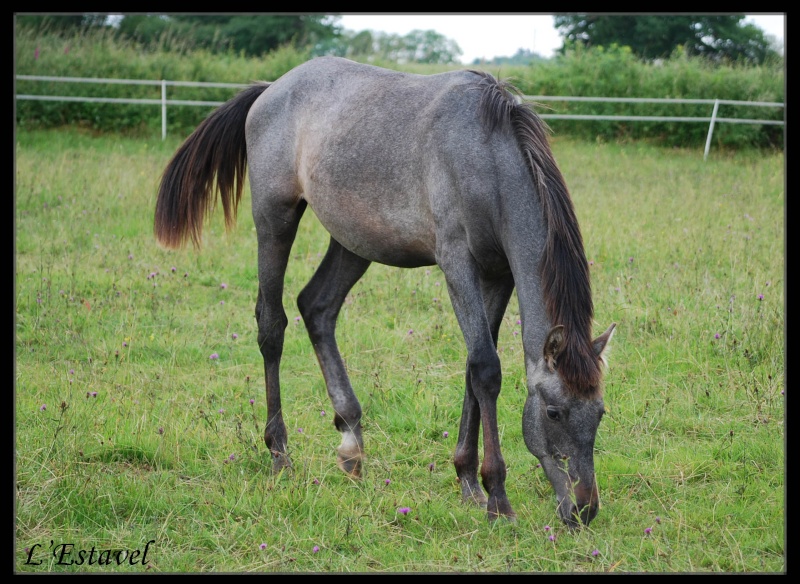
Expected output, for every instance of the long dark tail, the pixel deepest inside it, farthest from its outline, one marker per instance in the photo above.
(563, 268)
(215, 150)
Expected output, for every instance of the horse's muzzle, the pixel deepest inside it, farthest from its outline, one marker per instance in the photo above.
(580, 509)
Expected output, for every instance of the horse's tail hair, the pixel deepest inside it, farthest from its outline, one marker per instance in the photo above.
(215, 151)
(563, 268)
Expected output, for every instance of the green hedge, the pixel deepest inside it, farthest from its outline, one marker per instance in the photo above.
(599, 72)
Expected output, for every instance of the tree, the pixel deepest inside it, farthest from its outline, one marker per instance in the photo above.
(716, 37)
(418, 46)
(251, 34)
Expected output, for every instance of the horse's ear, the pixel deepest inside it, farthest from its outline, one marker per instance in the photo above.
(553, 345)
(600, 344)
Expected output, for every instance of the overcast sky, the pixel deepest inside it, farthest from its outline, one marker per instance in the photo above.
(485, 36)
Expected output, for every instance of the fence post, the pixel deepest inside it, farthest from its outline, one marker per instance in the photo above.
(163, 110)
(711, 127)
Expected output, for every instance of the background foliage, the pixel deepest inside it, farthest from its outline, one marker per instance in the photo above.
(602, 72)
(717, 38)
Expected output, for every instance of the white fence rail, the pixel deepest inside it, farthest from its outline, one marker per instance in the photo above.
(164, 102)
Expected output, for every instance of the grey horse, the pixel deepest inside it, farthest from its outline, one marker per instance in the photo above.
(409, 170)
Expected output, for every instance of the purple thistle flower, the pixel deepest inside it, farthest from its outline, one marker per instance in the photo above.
(296, 319)
(322, 412)
(411, 331)
(552, 538)
(221, 411)
(547, 528)
(647, 530)
(232, 457)
(404, 510)
(223, 285)
(658, 519)
(387, 481)
(315, 549)
(213, 356)
(234, 336)
(72, 372)
(315, 481)
(124, 344)
(174, 269)
(430, 467)
(761, 297)
(94, 394)
(716, 336)
(252, 401)
(263, 546)
(222, 302)
(130, 256)
(445, 434)
(595, 553)
(43, 407)
(299, 430)
(161, 429)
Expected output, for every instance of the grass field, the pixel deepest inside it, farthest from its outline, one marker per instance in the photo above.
(130, 436)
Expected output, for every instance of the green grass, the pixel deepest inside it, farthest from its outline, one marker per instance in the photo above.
(693, 445)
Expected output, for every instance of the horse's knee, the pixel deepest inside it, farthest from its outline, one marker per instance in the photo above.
(485, 374)
(270, 329)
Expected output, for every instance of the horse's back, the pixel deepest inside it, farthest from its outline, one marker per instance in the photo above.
(373, 151)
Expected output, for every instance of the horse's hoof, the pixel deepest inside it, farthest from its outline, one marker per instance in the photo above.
(351, 466)
(510, 517)
(497, 509)
(473, 496)
(280, 462)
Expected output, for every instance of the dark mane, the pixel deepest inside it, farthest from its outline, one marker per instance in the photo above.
(563, 267)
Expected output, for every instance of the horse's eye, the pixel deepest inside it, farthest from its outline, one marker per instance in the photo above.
(553, 413)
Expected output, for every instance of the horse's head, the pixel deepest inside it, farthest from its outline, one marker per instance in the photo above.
(560, 427)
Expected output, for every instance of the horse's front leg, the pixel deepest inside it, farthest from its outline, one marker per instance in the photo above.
(496, 294)
(483, 379)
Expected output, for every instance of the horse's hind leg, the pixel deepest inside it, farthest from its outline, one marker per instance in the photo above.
(319, 303)
(276, 234)
(496, 295)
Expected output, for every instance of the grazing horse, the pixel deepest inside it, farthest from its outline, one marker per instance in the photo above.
(412, 170)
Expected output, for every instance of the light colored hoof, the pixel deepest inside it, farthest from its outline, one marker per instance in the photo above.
(350, 464)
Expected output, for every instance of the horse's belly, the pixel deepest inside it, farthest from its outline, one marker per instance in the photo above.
(395, 237)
